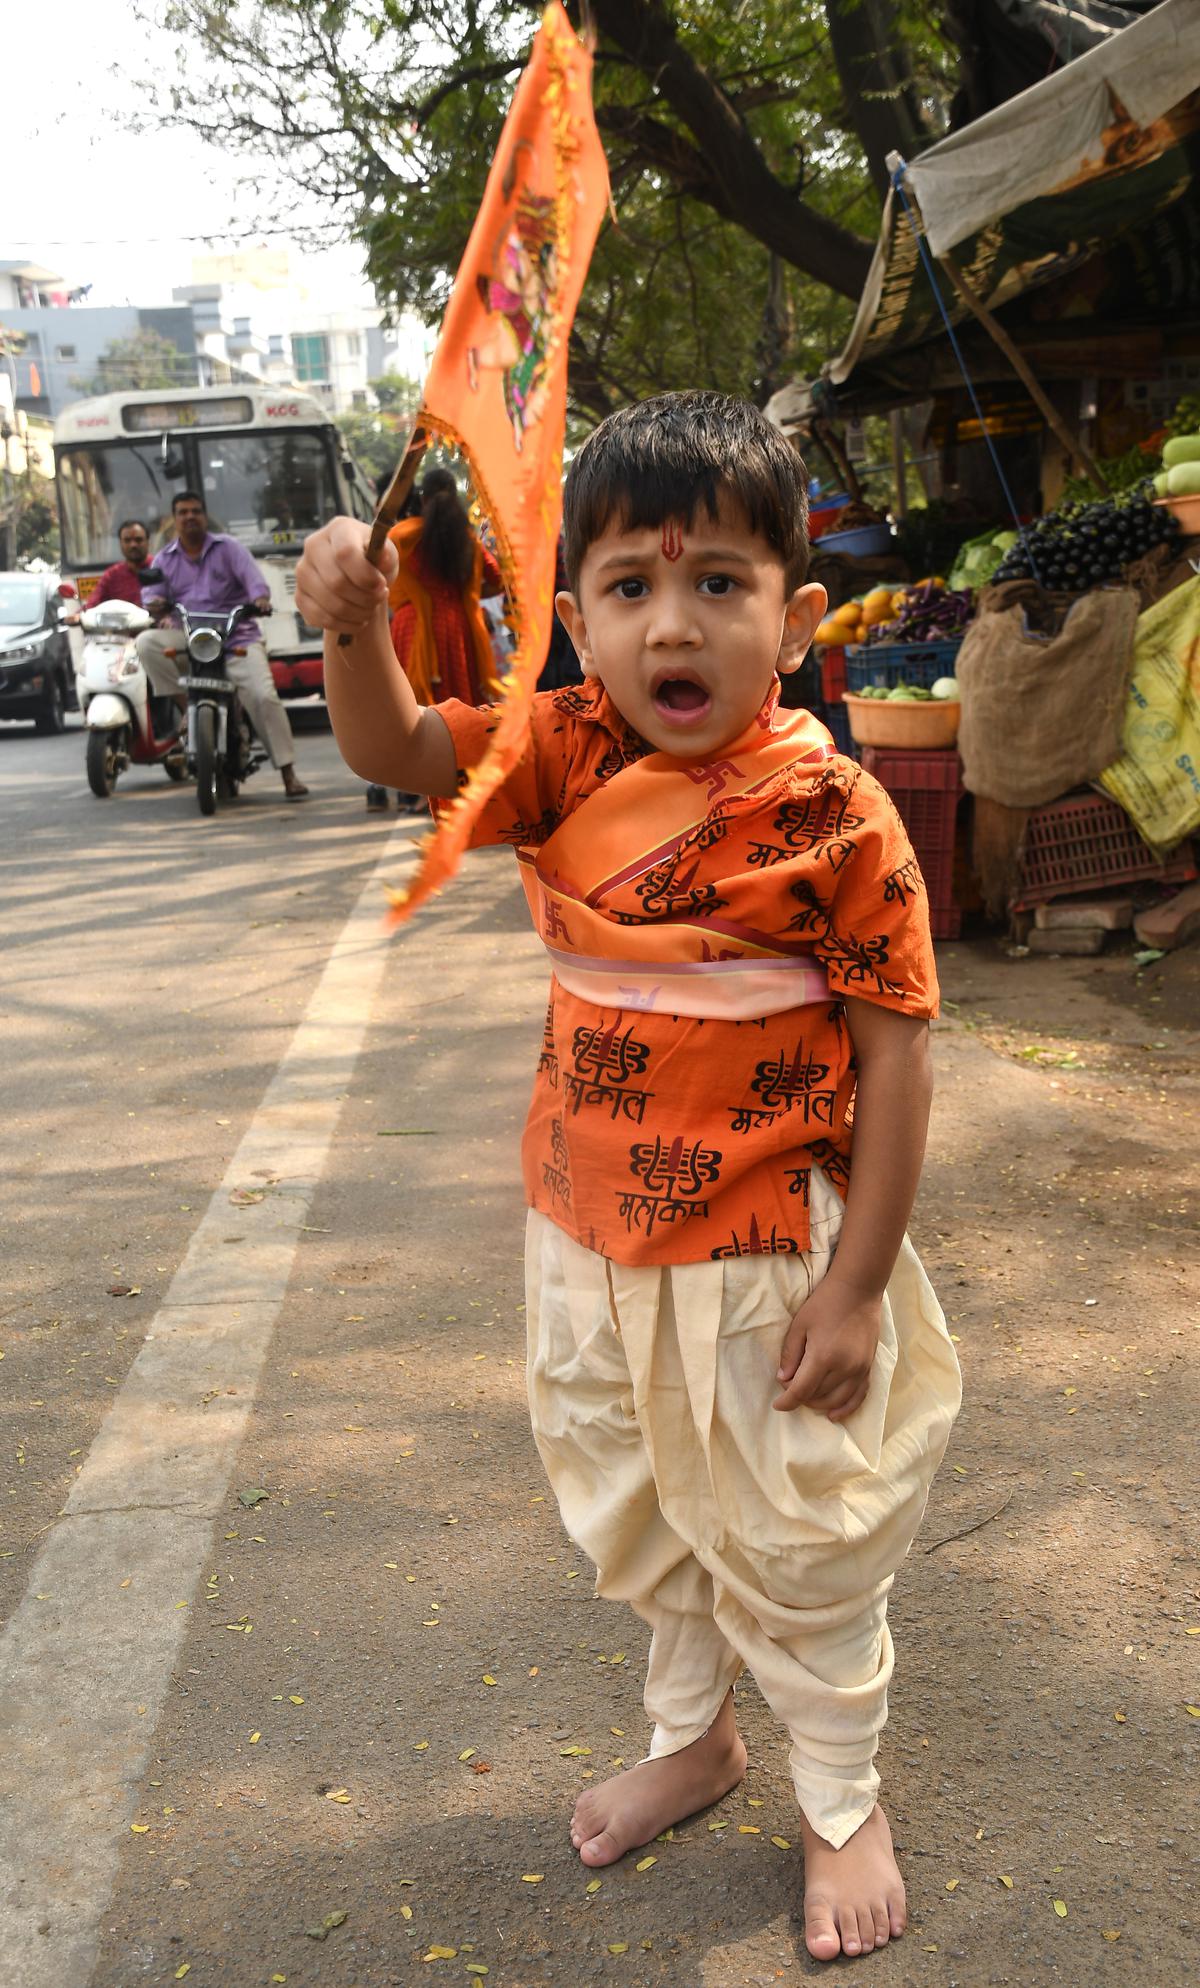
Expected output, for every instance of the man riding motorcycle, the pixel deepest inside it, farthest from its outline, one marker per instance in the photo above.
(210, 572)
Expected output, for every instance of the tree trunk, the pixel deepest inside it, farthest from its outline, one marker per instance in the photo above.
(881, 96)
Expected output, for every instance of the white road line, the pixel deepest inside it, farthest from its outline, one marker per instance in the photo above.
(84, 1661)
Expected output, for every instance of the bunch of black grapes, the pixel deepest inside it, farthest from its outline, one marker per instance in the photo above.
(1084, 545)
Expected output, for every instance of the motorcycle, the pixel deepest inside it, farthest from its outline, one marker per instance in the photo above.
(125, 725)
(223, 749)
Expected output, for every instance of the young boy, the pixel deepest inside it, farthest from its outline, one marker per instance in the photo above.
(740, 1379)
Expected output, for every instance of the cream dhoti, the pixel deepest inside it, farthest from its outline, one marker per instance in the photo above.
(743, 1536)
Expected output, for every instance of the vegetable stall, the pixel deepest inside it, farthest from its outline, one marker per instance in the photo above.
(1031, 695)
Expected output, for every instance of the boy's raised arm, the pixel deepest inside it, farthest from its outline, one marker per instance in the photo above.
(384, 734)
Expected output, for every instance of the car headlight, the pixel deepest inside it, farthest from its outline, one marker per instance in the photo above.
(25, 654)
(204, 646)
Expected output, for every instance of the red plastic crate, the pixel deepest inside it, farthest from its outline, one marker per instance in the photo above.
(1087, 842)
(926, 787)
(833, 674)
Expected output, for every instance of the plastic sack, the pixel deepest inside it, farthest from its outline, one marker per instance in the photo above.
(1156, 779)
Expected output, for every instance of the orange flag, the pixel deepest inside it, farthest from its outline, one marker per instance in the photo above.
(497, 387)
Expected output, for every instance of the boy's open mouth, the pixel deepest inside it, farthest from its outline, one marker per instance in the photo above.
(681, 700)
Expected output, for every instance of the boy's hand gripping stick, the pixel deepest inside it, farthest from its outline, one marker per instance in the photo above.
(392, 503)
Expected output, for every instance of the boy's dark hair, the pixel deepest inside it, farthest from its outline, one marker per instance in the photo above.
(660, 459)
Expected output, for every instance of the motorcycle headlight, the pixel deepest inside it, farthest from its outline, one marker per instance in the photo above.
(204, 646)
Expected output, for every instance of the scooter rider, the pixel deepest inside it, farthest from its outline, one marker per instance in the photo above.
(211, 573)
(120, 582)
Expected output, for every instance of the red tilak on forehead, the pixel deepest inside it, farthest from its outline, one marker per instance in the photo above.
(672, 541)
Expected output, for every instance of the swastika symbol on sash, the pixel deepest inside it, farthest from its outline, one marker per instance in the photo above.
(716, 775)
(556, 925)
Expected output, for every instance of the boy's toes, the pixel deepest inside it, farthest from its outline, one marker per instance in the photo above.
(897, 1914)
(821, 1936)
(601, 1849)
(883, 1931)
(853, 1940)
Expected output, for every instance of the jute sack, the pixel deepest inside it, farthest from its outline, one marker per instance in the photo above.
(1043, 683)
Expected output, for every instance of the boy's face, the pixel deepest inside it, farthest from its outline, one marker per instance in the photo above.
(685, 626)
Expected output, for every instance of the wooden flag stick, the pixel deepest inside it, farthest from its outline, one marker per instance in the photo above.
(392, 503)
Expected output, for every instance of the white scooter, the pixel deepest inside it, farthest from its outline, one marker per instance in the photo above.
(126, 726)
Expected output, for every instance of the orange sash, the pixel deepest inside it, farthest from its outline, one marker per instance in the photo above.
(682, 966)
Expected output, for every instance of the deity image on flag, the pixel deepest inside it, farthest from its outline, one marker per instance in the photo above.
(520, 296)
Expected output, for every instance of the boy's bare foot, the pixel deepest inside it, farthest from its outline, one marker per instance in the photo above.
(638, 1805)
(853, 1897)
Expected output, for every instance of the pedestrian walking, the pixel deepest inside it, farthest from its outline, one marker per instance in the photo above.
(740, 1379)
(438, 627)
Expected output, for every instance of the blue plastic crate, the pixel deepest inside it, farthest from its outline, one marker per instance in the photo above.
(837, 718)
(889, 663)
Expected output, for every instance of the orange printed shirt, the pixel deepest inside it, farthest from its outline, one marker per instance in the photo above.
(661, 1138)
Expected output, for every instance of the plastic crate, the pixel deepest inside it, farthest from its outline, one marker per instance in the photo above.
(833, 673)
(836, 717)
(926, 787)
(1087, 842)
(889, 663)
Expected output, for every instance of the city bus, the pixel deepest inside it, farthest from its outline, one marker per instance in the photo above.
(269, 462)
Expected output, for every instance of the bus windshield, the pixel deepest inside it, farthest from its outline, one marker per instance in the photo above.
(268, 490)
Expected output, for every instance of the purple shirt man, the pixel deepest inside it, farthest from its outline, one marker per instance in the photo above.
(211, 574)
(211, 577)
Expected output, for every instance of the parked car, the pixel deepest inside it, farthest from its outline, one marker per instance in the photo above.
(37, 677)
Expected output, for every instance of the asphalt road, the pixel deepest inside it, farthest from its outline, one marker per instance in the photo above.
(309, 1640)
(155, 966)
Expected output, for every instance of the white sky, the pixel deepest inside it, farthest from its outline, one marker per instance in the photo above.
(89, 200)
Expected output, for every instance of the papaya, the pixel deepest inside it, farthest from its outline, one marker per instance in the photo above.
(830, 635)
(848, 615)
(1180, 449)
(1183, 479)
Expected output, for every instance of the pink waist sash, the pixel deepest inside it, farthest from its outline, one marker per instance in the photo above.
(734, 990)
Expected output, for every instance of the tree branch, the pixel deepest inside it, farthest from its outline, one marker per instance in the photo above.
(737, 181)
(882, 104)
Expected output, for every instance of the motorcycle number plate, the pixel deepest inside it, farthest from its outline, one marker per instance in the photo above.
(207, 683)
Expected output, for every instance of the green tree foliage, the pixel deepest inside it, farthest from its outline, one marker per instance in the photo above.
(746, 145)
(145, 360)
(36, 520)
(376, 436)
